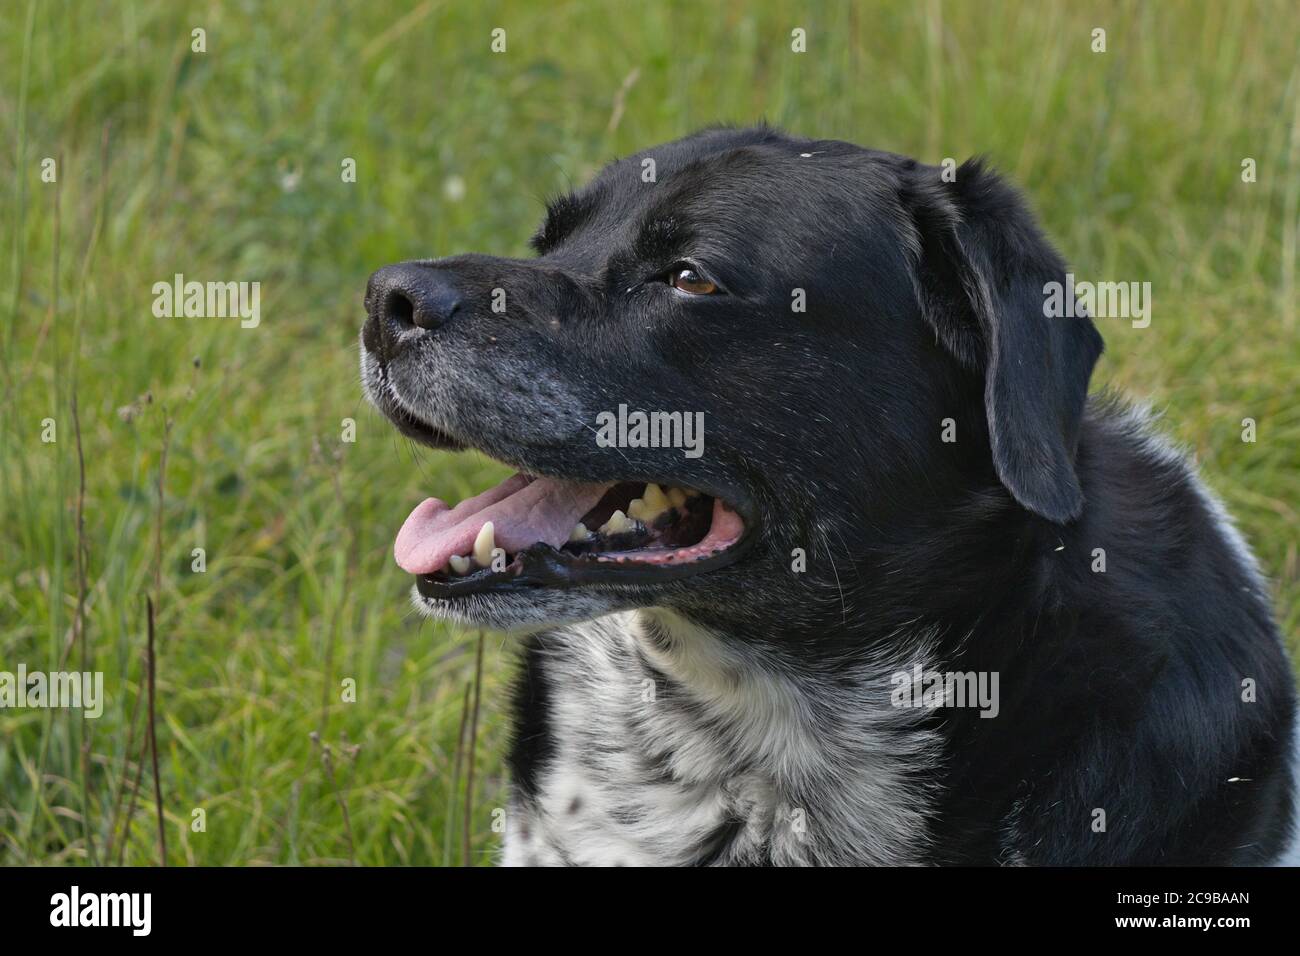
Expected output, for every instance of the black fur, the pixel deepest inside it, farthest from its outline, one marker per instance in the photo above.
(1119, 690)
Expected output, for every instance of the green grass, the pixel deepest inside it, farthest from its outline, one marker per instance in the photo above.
(226, 165)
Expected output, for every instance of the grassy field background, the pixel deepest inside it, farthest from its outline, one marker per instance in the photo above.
(226, 165)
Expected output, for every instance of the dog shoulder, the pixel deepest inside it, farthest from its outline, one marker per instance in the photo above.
(1174, 641)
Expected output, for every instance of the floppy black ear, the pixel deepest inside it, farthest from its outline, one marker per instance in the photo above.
(981, 266)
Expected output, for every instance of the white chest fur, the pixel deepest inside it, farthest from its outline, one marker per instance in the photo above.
(673, 745)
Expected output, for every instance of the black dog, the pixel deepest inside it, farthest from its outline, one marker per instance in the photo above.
(804, 469)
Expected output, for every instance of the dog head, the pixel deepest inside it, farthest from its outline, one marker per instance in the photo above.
(740, 370)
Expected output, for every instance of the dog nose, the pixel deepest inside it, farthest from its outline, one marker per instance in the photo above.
(410, 295)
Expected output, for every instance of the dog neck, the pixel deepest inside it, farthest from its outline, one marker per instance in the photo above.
(672, 743)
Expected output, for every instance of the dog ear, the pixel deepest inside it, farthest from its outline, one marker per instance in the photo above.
(982, 269)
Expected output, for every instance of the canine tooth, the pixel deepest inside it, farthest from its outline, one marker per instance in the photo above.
(617, 524)
(676, 497)
(579, 533)
(460, 564)
(484, 544)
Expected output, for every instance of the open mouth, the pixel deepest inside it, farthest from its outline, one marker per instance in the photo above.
(533, 531)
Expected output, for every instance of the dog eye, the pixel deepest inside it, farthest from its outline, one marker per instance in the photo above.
(688, 279)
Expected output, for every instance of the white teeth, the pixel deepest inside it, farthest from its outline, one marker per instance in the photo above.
(655, 497)
(579, 533)
(461, 565)
(656, 501)
(484, 544)
(676, 497)
(617, 524)
(652, 503)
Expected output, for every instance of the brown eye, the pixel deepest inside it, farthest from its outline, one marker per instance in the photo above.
(687, 279)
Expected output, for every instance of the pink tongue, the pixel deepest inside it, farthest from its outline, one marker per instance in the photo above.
(523, 511)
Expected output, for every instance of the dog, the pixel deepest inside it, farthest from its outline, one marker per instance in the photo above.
(907, 596)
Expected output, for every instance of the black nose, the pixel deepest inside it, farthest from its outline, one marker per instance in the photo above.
(412, 295)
